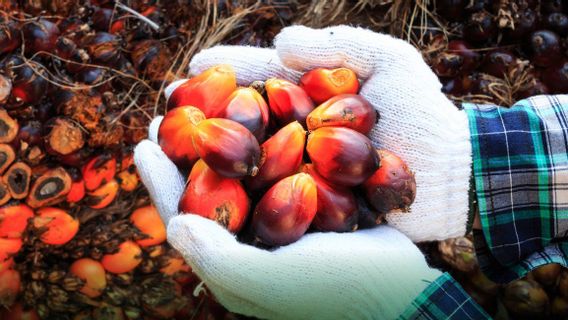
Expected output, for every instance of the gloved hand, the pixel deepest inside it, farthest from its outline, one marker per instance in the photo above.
(366, 274)
(417, 121)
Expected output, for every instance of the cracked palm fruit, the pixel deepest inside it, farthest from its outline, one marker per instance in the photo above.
(247, 107)
(176, 132)
(288, 102)
(322, 84)
(346, 110)
(337, 207)
(215, 197)
(286, 210)
(281, 156)
(342, 156)
(392, 186)
(206, 91)
(227, 147)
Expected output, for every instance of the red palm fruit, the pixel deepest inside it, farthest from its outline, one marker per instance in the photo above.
(322, 84)
(288, 102)
(10, 286)
(175, 135)
(14, 220)
(247, 107)
(206, 91)
(29, 81)
(17, 312)
(392, 186)
(56, 226)
(148, 221)
(104, 195)
(281, 156)
(286, 211)
(127, 258)
(214, 197)
(227, 147)
(77, 192)
(92, 273)
(346, 110)
(342, 156)
(40, 35)
(8, 248)
(99, 170)
(337, 206)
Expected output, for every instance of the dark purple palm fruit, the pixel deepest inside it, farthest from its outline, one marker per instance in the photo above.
(40, 35)
(451, 10)
(459, 58)
(557, 22)
(499, 63)
(10, 37)
(544, 48)
(551, 6)
(556, 77)
(480, 27)
(524, 22)
(478, 5)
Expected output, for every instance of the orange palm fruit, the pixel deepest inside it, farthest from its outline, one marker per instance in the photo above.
(281, 156)
(128, 180)
(322, 84)
(206, 91)
(346, 110)
(148, 221)
(247, 107)
(178, 269)
(6, 264)
(227, 147)
(127, 258)
(14, 220)
(215, 197)
(337, 206)
(342, 156)
(392, 186)
(92, 273)
(10, 286)
(175, 134)
(8, 248)
(104, 195)
(17, 312)
(288, 102)
(56, 225)
(286, 210)
(77, 192)
(99, 170)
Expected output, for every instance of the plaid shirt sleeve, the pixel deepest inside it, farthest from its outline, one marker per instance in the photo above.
(520, 169)
(444, 299)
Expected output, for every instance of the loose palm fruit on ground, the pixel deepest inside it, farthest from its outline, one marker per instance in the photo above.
(337, 207)
(8, 248)
(281, 156)
(148, 221)
(286, 210)
(247, 107)
(547, 275)
(287, 101)
(99, 170)
(92, 273)
(346, 110)
(8, 127)
(17, 312)
(103, 195)
(55, 225)
(227, 147)
(14, 220)
(10, 286)
(322, 84)
(526, 298)
(215, 197)
(50, 188)
(342, 156)
(392, 186)
(176, 132)
(127, 258)
(17, 179)
(206, 91)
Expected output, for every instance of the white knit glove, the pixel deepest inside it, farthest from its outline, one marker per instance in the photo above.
(417, 121)
(368, 274)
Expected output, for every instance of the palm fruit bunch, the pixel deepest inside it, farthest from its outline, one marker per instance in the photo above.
(497, 51)
(79, 83)
(252, 169)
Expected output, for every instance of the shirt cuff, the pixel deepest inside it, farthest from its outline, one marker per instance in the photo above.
(444, 299)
